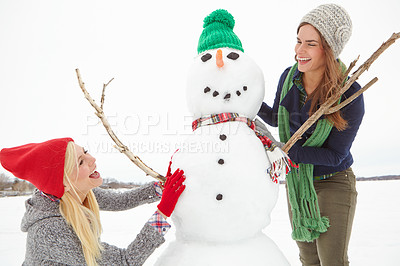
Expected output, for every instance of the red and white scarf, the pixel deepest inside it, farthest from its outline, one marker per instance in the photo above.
(279, 161)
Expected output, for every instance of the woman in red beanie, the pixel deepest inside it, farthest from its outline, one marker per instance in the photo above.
(62, 217)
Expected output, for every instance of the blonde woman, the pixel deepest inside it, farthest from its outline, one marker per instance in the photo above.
(62, 217)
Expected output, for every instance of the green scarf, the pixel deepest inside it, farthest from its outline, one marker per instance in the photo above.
(307, 222)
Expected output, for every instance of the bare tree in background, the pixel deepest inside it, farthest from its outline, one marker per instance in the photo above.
(5, 181)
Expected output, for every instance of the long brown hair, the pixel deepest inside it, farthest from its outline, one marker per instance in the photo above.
(330, 85)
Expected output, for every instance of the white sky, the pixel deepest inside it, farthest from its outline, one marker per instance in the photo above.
(147, 47)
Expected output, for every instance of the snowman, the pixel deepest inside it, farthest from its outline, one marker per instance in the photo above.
(229, 191)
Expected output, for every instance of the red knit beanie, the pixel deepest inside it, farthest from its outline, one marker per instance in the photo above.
(42, 164)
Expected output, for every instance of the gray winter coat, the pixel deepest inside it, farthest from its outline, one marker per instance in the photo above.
(51, 241)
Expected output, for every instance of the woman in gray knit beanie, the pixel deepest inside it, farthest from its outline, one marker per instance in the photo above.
(62, 217)
(321, 191)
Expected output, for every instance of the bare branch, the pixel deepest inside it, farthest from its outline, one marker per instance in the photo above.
(352, 64)
(103, 95)
(333, 99)
(119, 145)
(351, 98)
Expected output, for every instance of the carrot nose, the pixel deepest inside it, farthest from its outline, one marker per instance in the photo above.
(220, 61)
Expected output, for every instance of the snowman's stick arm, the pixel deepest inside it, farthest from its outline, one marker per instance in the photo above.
(326, 108)
(119, 145)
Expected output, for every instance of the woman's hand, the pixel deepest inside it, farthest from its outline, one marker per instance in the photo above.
(260, 127)
(173, 188)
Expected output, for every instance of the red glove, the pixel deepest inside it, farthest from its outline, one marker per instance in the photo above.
(173, 188)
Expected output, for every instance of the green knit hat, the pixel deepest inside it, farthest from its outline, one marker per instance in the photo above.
(218, 32)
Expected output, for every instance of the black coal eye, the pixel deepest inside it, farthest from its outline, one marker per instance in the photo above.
(206, 57)
(233, 56)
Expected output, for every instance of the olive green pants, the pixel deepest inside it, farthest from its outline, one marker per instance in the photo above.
(337, 198)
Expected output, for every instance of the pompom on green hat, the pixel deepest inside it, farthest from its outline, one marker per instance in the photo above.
(218, 32)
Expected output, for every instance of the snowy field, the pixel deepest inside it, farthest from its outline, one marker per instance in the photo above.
(375, 238)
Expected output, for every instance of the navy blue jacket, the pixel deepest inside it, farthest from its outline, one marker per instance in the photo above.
(334, 155)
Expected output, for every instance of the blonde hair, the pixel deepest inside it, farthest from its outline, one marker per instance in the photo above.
(84, 218)
(329, 85)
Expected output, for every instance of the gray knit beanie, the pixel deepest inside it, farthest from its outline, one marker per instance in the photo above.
(334, 24)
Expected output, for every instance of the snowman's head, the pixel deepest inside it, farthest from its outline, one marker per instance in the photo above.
(224, 80)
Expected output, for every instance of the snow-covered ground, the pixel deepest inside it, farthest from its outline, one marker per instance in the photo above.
(375, 238)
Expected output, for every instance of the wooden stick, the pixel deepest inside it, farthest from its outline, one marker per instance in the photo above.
(119, 145)
(324, 108)
(351, 98)
(351, 66)
(103, 94)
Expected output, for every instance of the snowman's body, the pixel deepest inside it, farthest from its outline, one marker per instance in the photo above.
(258, 250)
(229, 195)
